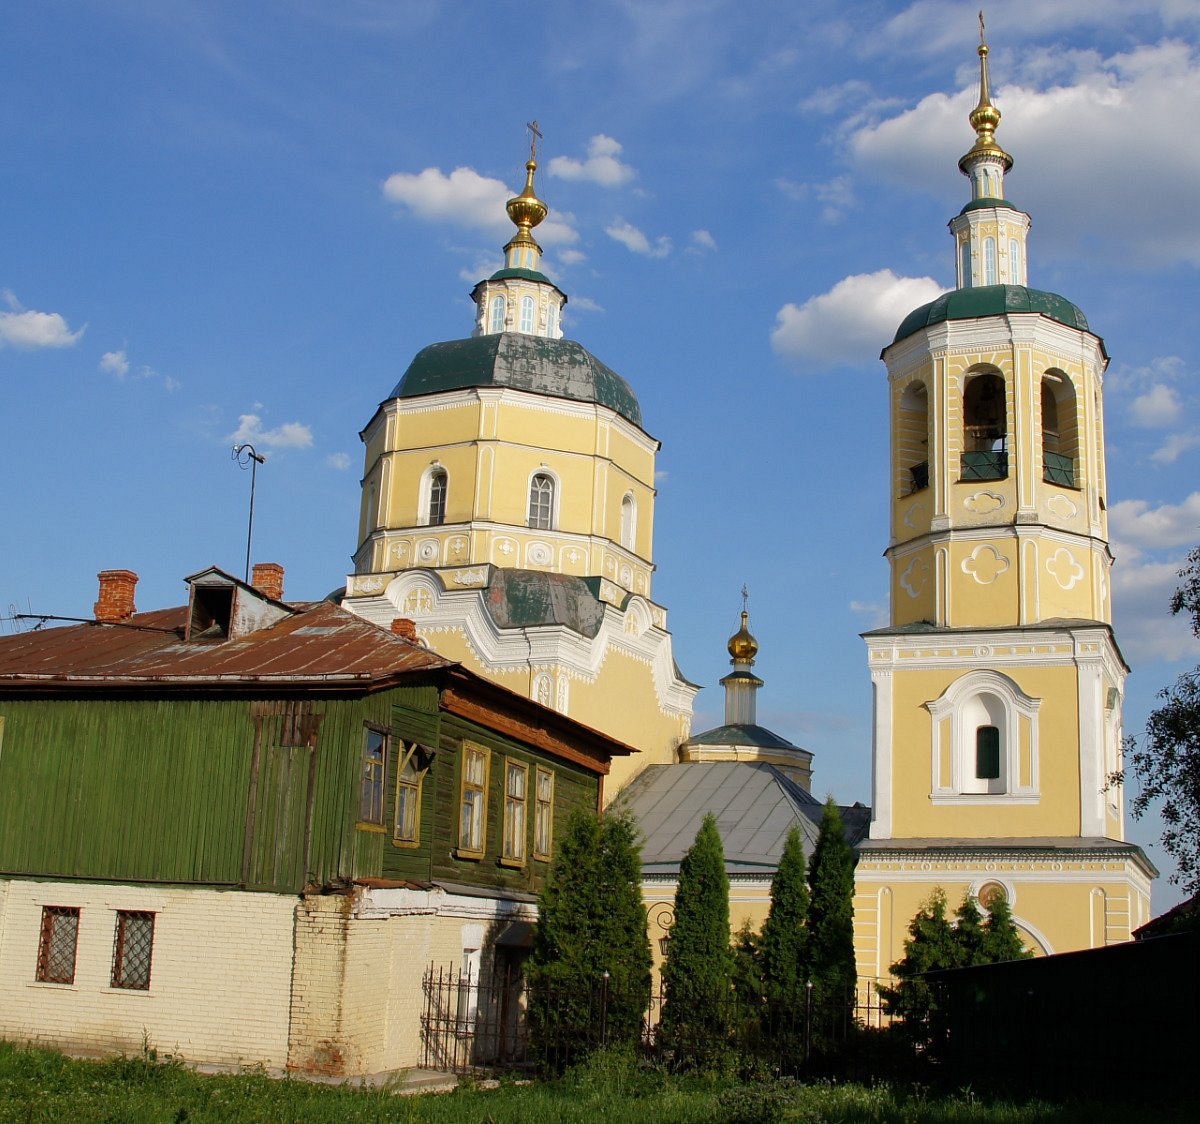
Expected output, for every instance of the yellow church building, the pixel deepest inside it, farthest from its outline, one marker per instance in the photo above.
(508, 511)
(997, 686)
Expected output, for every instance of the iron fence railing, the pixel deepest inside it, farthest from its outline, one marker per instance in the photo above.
(479, 1021)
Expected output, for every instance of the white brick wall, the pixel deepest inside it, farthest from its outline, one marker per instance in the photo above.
(220, 974)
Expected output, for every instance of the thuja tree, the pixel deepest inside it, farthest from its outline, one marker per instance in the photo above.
(589, 971)
(831, 912)
(697, 974)
(929, 947)
(783, 944)
(1001, 941)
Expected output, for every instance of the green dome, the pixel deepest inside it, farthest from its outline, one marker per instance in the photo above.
(988, 204)
(559, 368)
(992, 300)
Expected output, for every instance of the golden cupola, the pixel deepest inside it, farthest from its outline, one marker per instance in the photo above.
(986, 162)
(742, 645)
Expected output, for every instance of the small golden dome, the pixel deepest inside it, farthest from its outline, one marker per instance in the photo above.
(985, 117)
(742, 646)
(526, 209)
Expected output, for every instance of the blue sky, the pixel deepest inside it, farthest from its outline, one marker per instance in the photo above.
(225, 221)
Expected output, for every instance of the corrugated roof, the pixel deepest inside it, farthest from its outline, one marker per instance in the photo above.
(755, 806)
(321, 643)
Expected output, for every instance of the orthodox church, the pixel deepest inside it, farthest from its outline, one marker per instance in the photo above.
(998, 683)
(508, 511)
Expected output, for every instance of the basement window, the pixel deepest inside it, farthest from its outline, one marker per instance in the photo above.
(57, 944)
(133, 947)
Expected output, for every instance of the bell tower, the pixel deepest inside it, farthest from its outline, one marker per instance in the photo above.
(998, 683)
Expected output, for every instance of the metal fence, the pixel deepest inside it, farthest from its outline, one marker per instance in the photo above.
(480, 1021)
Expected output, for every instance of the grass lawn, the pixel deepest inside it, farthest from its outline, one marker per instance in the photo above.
(39, 1085)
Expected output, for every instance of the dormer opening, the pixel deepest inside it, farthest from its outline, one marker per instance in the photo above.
(212, 612)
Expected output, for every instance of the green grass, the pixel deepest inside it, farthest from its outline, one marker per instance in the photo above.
(40, 1085)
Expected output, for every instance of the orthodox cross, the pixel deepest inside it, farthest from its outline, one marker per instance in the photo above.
(535, 134)
(745, 599)
(982, 36)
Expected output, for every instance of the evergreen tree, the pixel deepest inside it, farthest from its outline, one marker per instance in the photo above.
(591, 920)
(697, 975)
(831, 912)
(1001, 941)
(969, 934)
(748, 983)
(784, 940)
(929, 947)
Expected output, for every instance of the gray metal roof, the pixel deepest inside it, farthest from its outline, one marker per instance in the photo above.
(747, 734)
(754, 803)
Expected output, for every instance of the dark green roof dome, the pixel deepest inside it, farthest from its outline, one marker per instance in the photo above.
(992, 300)
(988, 204)
(560, 368)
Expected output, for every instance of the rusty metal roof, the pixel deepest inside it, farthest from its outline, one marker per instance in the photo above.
(318, 644)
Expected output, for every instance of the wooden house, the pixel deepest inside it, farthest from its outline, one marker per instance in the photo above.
(240, 830)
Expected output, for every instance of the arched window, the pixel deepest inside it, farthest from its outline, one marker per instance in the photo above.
(628, 521)
(541, 502)
(992, 729)
(985, 428)
(527, 314)
(1015, 276)
(989, 261)
(435, 508)
(912, 438)
(499, 307)
(1060, 430)
(964, 264)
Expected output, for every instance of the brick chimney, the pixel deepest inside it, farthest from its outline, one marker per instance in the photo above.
(116, 596)
(267, 578)
(405, 628)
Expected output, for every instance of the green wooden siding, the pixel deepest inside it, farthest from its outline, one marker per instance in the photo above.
(256, 793)
(435, 858)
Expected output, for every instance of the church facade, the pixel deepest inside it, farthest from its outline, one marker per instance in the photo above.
(508, 510)
(998, 683)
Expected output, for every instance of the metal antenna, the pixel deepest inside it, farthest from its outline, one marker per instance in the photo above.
(247, 456)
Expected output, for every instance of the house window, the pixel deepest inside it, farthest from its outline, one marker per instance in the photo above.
(56, 948)
(543, 814)
(541, 502)
(438, 486)
(498, 310)
(1014, 262)
(987, 753)
(527, 314)
(409, 779)
(133, 947)
(989, 261)
(374, 768)
(516, 793)
(472, 820)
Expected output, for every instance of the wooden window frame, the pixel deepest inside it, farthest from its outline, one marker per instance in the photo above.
(465, 850)
(51, 933)
(509, 836)
(543, 811)
(373, 822)
(421, 755)
(122, 976)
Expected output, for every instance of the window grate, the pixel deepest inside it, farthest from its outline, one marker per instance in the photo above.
(133, 947)
(56, 948)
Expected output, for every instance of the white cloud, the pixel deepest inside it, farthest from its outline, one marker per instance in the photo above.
(1133, 100)
(571, 257)
(845, 325)
(1174, 447)
(467, 199)
(115, 363)
(290, 435)
(636, 242)
(340, 461)
(1158, 407)
(585, 304)
(702, 240)
(874, 613)
(1143, 622)
(28, 330)
(601, 166)
(1137, 525)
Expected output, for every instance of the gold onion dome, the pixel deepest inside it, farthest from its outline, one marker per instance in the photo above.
(985, 117)
(526, 209)
(742, 646)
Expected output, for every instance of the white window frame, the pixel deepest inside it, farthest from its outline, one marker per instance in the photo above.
(628, 521)
(497, 314)
(989, 261)
(984, 698)
(554, 500)
(425, 513)
(528, 309)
